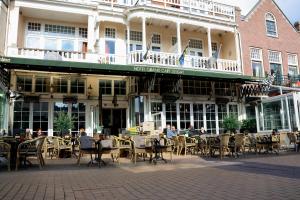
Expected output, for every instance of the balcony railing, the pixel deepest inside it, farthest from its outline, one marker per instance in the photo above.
(52, 54)
(197, 7)
(173, 60)
(135, 58)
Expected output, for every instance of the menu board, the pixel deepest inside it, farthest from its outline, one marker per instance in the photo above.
(148, 127)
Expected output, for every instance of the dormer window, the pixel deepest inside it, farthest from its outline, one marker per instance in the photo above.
(271, 25)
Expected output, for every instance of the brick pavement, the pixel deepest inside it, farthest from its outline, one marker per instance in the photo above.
(191, 177)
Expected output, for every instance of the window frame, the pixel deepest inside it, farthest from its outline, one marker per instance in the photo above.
(275, 24)
(260, 59)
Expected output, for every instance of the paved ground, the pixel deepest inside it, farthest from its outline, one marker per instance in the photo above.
(255, 177)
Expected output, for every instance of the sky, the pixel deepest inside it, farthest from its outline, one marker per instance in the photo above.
(289, 7)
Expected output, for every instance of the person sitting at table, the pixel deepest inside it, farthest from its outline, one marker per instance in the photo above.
(28, 135)
(39, 132)
(171, 132)
(202, 131)
(191, 131)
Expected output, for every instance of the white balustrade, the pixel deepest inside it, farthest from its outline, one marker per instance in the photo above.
(51, 54)
(197, 7)
(136, 58)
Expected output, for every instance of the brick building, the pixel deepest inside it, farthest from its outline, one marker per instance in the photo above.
(270, 44)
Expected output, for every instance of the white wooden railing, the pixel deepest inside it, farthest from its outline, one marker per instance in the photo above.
(52, 54)
(197, 7)
(135, 58)
(173, 60)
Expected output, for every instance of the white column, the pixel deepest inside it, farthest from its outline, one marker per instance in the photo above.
(97, 36)
(178, 39)
(237, 49)
(91, 33)
(144, 33)
(12, 40)
(128, 42)
(209, 43)
(295, 100)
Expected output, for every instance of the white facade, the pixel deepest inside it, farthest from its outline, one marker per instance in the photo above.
(196, 35)
(3, 25)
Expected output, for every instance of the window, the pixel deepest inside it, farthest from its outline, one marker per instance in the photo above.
(256, 62)
(78, 114)
(195, 44)
(67, 45)
(211, 118)
(59, 107)
(233, 110)
(185, 119)
(58, 29)
(24, 83)
(33, 42)
(224, 89)
(222, 113)
(156, 108)
(174, 41)
(171, 116)
(198, 116)
(34, 26)
(60, 85)
(271, 25)
(83, 32)
(77, 86)
(110, 33)
(40, 116)
(214, 48)
(156, 39)
(105, 87)
(120, 87)
(293, 66)
(196, 87)
(42, 84)
(275, 65)
(50, 44)
(21, 117)
(136, 36)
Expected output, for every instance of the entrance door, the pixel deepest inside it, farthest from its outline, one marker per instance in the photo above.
(195, 57)
(114, 121)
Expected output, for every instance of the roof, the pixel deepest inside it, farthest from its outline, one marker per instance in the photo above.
(257, 5)
(114, 69)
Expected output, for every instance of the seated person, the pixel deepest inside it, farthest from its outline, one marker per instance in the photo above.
(202, 131)
(192, 132)
(86, 142)
(171, 132)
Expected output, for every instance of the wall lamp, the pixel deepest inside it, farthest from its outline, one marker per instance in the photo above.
(89, 91)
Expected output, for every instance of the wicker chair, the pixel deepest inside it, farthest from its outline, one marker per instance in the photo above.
(111, 147)
(186, 143)
(239, 144)
(222, 146)
(86, 146)
(5, 152)
(141, 145)
(31, 148)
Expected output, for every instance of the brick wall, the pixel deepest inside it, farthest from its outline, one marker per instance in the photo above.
(253, 34)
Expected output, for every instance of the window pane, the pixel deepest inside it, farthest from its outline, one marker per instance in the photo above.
(67, 45)
(50, 44)
(33, 42)
(257, 69)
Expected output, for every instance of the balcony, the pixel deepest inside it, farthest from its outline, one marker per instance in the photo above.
(205, 8)
(136, 58)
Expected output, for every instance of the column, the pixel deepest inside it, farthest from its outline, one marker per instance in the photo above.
(144, 34)
(12, 41)
(209, 43)
(128, 42)
(178, 39)
(237, 49)
(91, 33)
(97, 36)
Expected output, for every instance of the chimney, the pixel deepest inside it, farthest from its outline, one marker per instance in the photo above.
(297, 25)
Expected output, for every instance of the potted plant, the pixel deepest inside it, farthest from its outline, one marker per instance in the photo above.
(63, 123)
(231, 123)
(249, 126)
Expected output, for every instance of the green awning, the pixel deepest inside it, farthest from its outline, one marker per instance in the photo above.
(114, 69)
